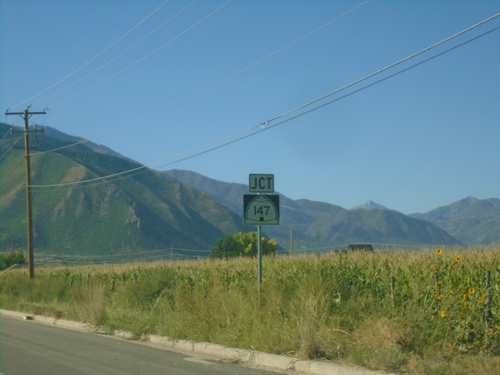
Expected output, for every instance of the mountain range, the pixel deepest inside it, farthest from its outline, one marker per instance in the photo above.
(470, 220)
(138, 209)
(324, 225)
(128, 213)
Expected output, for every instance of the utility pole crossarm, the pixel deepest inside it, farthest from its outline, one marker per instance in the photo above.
(7, 113)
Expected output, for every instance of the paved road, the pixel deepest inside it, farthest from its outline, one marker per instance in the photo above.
(28, 348)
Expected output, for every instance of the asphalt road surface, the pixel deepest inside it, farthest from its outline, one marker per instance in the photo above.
(28, 348)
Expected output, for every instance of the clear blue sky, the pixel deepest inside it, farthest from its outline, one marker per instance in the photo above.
(422, 139)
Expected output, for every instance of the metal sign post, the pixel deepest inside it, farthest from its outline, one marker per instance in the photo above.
(261, 209)
(259, 256)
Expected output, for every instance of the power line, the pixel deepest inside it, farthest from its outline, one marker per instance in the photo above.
(146, 167)
(232, 75)
(279, 50)
(256, 129)
(266, 125)
(11, 147)
(382, 79)
(62, 147)
(5, 136)
(144, 57)
(93, 58)
(119, 55)
(387, 67)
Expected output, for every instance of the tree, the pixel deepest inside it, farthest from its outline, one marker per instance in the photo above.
(242, 244)
(225, 247)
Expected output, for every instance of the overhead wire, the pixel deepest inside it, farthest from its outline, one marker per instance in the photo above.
(383, 79)
(232, 75)
(279, 50)
(12, 166)
(11, 147)
(5, 136)
(267, 124)
(144, 57)
(93, 58)
(119, 55)
(145, 167)
(130, 66)
(13, 143)
(81, 141)
(387, 67)
(16, 193)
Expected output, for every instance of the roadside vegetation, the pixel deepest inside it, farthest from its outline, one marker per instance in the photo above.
(242, 245)
(431, 311)
(11, 258)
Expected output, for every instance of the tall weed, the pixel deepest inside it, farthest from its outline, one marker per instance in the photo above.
(410, 311)
(91, 304)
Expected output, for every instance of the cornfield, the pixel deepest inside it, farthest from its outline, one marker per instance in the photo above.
(431, 311)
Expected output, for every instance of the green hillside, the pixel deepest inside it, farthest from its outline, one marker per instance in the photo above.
(471, 220)
(132, 212)
(144, 210)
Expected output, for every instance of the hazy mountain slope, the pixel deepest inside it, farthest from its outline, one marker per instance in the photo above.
(319, 224)
(127, 213)
(58, 135)
(471, 220)
(230, 195)
(144, 209)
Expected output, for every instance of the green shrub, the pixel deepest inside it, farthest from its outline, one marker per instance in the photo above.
(10, 258)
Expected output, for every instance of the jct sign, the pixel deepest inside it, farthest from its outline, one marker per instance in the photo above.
(261, 209)
(261, 183)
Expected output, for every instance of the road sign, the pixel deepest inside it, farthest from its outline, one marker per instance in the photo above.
(261, 183)
(260, 209)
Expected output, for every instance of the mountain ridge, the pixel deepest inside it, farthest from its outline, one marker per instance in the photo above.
(471, 220)
(146, 209)
(319, 223)
(370, 205)
(130, 212)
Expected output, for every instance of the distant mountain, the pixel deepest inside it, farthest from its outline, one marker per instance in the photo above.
(370, 205)
(230, 195)
(323, 225)
(133, 212)
(470, 220)
(130, 212)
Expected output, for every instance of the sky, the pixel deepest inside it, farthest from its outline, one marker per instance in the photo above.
(332, 97)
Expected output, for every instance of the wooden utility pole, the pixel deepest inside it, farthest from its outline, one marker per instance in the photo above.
(26, 114)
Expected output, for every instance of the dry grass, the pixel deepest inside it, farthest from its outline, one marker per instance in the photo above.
(91, 306)
(421, 312)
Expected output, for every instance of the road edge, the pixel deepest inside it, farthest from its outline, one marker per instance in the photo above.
(251, 357)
